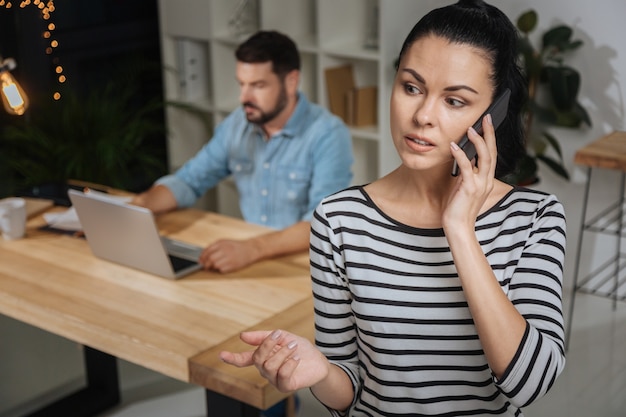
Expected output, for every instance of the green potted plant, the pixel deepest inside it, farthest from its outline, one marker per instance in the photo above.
(553, 90)
(105, 135)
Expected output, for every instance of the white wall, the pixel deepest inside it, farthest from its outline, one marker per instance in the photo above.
(33, 361)
(602, 63)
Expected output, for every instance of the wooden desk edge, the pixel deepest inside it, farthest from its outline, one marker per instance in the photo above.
(246, 384)
(608, 152)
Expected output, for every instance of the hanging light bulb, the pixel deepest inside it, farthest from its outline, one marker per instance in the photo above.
(14, 99)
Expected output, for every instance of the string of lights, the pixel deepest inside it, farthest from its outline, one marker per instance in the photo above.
(46, 9)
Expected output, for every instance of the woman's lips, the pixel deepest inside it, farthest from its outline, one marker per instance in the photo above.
(419, 144)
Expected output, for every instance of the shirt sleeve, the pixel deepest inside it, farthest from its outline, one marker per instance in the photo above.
(332, 162)
(204, 170)
(335, 329)
(536, 292)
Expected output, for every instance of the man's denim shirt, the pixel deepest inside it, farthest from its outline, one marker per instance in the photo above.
(281, 180)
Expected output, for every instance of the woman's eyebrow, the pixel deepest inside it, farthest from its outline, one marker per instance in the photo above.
(415, 75)
(421, 79)
(460, 87)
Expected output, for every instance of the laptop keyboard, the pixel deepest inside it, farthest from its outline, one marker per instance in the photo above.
(180, 263)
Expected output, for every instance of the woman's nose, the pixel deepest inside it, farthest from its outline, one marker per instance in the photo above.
(424, 113)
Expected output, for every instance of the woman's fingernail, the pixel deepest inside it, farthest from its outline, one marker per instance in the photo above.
(292, 345)
(454, 146)
(275, 334)
(489, 119)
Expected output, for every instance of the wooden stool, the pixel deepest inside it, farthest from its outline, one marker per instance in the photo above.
(608, 152)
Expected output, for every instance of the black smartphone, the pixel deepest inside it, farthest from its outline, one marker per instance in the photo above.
(498, 110)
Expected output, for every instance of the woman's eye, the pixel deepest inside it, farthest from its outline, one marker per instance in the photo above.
(454, 102)
(411, 89)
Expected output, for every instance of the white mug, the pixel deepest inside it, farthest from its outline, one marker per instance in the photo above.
(13, 218)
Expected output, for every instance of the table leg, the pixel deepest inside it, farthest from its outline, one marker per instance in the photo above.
(581, 232)
(101, 393)
(218, 405)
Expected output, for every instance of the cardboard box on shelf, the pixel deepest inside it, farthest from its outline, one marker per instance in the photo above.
(356, 106)
(339, 81)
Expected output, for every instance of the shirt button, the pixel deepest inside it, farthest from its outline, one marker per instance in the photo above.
(292, 175)
(264, 219)
(266, 165)
(264, 193)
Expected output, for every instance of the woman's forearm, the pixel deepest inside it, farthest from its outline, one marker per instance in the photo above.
(335, 391)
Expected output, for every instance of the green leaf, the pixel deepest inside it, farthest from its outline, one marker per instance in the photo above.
(568, 118)
(554, 166)
(539, 144)
(582, 113)
(104, 136)
(557, 37)
(573, 45)
(527, 21)
(554, 143)
(530, 57)
(525, 173)
(544, 114)
(564, 85)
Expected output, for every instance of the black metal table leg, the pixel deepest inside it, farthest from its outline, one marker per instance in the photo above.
(101, 393)
(570, 318)
(219, 405)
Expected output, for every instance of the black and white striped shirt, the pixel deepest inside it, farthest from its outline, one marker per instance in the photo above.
(390, 310)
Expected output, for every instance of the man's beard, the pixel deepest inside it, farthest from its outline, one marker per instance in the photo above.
(266, 117)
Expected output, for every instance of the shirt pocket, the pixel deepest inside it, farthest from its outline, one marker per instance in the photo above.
(294, 182)
(240, 167)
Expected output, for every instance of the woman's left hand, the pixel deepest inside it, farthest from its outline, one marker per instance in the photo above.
(287, 361)
(474, 183)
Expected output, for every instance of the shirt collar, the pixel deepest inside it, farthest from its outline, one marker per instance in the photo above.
(298, 118)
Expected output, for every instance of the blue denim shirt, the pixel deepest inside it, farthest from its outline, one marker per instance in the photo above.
(281, 180)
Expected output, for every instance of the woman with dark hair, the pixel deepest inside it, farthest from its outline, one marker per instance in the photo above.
(435, 294)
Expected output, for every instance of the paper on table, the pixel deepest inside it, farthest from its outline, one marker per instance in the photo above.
(68, 219)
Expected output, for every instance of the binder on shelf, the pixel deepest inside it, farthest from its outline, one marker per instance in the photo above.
(192, 64)
(339, 82)
(355, 105)
(364, 106)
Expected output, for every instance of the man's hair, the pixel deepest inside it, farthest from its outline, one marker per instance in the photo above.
(266, 46)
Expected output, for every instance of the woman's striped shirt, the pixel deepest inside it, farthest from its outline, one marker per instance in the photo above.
(390, 310)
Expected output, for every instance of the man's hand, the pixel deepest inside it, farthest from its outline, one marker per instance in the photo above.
(230, 255)
(227, 255)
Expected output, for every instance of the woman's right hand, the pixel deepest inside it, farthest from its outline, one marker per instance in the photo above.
(287, 361)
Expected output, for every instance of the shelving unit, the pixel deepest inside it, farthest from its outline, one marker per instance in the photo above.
(197, 41)
(609, 278)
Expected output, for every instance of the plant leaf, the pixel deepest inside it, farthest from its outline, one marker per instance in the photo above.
(554, 166)
(554, 143)
(105, 136)
(557, 37)
(564, 85)
(568, 118)
(582, 113)
(527, 21)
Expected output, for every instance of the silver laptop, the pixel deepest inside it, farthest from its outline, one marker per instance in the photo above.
(128, 235)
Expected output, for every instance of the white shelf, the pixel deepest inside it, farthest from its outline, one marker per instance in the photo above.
(328, 33)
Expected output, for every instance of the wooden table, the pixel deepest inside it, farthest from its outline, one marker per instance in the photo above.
(177, 328)
(607, 152)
